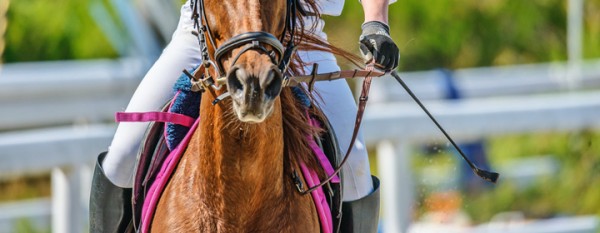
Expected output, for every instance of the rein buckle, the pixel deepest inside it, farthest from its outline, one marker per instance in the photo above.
(197, 85)
(297, 182)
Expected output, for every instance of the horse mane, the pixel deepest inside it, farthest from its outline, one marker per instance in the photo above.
(296, 124)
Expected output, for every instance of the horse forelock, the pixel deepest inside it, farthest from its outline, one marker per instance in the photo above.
(227, 18)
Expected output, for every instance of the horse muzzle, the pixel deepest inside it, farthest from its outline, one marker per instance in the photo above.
(253, 95)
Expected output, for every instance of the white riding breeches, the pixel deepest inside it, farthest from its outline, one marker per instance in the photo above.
(183, 52)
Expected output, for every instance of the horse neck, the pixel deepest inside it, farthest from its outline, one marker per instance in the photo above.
(247, 158)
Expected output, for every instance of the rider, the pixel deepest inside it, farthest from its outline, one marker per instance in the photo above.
(113, 176)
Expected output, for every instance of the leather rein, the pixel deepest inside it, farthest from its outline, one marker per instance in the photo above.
(202, 79)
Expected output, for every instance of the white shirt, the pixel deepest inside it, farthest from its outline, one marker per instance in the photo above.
(331, 7)
(334, 7)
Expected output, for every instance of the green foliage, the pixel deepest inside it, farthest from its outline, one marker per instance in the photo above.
(25, 226)
(592, 26)
(460, 34)
(430, 34)
(53, 30)
(25, 188)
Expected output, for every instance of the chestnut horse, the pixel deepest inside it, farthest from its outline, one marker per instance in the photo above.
(235, 173)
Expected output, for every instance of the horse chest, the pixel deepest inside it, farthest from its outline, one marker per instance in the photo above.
(222, 201)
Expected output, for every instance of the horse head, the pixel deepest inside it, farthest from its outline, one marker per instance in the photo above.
(244, 37)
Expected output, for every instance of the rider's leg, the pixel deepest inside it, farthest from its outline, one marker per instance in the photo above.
(110, 197)
(153, 92)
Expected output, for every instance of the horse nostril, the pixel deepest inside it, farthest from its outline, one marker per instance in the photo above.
(274, 82)
(234, 82)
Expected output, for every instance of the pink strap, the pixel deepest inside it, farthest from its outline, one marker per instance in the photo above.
(160, 182)
(319, 199)
(321, 155)
(323, 160)
(169, 117)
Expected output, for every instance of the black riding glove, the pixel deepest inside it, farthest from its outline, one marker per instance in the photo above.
(377, 45)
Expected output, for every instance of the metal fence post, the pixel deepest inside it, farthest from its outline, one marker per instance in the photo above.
(86, 171)
(67, 212)
(397, 189)
(574, 42)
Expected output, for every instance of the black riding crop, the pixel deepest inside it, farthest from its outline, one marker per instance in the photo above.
(486, 175)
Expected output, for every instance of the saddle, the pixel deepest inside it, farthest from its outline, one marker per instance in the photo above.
(163, 137)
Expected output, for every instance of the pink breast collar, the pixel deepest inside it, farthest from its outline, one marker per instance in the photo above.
(162, 178)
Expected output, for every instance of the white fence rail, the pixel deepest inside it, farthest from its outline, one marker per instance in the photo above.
(72, 110)
(36, 213)
(483, 82)
(66, 92)
(53, 120)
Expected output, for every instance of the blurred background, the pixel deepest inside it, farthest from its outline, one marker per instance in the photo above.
(516, 83)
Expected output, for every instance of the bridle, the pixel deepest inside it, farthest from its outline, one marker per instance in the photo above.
(279, 55)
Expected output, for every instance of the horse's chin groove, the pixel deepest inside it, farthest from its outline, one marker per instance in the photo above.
(253, 118)
(257, 116)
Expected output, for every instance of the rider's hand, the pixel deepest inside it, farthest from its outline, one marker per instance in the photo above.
(377, 45)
